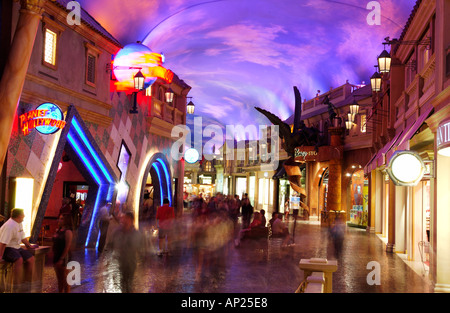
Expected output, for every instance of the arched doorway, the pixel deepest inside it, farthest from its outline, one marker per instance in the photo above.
(156, 186)
(77, 144)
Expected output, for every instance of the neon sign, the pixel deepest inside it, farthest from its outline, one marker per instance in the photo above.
(46, 119)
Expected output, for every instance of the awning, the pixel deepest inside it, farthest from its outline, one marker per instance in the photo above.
(379, 159)
(403, 143)
(400, 142)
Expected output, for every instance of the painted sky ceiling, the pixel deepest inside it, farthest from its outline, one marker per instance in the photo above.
(238, 54)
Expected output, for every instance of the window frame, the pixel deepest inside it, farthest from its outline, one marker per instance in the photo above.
(91, 51)
(50, 25)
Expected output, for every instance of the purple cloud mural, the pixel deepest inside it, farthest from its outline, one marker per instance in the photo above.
(238, 54)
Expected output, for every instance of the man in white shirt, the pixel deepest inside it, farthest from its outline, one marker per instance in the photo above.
(11, 237)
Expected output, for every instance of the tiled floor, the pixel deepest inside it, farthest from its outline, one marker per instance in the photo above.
(254, 267)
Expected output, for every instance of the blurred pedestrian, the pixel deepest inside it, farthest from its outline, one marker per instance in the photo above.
(280, 230)
(337, 232)
(165, 216)
(126, 245)
(104, 219)
(62, 242)
(247, 211)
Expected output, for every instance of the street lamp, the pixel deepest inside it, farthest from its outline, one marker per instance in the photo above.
(139, 80)
(375, 81)
(384, 62)
(190, 107)
(169, 95)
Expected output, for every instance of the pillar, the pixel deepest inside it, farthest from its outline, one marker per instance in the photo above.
(391, 218)
(335, 171)
(16, 67)
(372, 201)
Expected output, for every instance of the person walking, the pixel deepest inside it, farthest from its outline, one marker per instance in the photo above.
(104, 219)
(247, 211)
(126, 245)
(62, 242)
(11, 237)
(165, 216)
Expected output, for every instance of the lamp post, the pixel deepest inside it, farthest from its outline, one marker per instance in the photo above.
(139, 80)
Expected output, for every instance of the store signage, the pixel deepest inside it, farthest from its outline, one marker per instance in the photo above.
(308, 153)
(406, 168)
(47, 119)
(443, 138)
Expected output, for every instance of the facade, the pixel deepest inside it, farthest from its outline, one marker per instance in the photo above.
(102, 152)
(333, 174)
(411, 113)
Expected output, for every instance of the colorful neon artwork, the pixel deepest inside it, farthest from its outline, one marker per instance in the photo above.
(134, 57)
(47, 119)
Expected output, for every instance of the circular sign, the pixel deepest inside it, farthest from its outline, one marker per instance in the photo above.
(52, 114)
(191, 156)
(406, 168)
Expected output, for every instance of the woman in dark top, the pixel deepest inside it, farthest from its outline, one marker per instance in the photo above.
(62, 241)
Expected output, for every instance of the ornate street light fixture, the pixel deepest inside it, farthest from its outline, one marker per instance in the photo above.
(190, 107)
(169, 95)
(139, 80)
(354, 108)
(375, 81)
(384, 62)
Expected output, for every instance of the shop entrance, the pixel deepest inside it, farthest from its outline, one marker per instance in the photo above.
(156, 186)
(77, 154)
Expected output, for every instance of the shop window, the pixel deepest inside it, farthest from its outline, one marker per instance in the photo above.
(207, 166)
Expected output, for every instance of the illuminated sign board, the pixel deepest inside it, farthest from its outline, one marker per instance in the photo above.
(443, 139)
(406, 168)
(307, 153)
(47, 119)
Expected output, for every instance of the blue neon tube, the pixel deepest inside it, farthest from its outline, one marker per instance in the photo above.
(169, 193)
(92, 151)
(159, 178)
(83, 158)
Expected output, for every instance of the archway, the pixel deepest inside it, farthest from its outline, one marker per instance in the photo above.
(156, 183)
(77, 142)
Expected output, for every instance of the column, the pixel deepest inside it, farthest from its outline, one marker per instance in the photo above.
(372, 201)
(16, 67)
(391, 218)
(335, 172)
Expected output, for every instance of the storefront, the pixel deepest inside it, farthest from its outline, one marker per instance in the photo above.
(358, 200)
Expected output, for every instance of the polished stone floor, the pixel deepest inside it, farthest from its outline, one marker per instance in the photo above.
(253, 267)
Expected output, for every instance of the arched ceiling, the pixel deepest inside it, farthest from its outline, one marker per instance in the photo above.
(238, 54)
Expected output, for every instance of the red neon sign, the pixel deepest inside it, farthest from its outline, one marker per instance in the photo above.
(37, 118)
